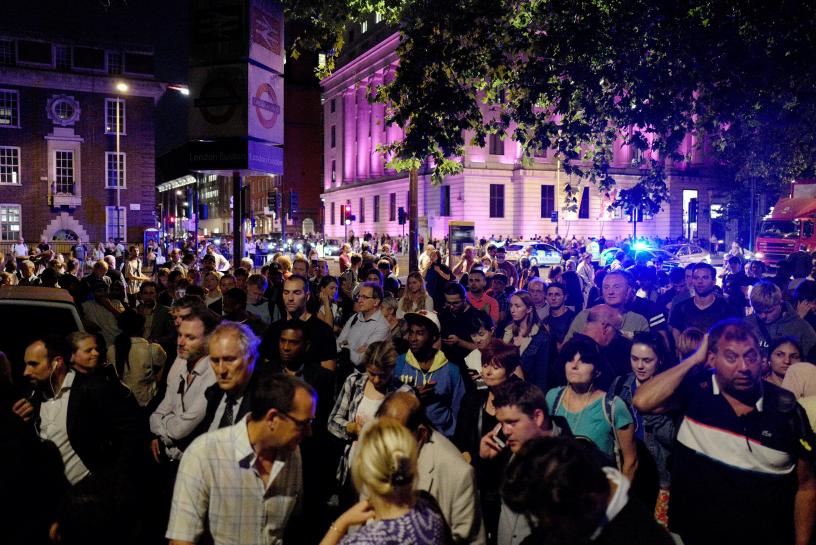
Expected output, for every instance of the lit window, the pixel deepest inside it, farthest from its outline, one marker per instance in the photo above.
(111, 112)
(115, 172)
(10, 222)
(9, 165)
(363, 27)
(9, 108)
(115, 222)
(64, 172)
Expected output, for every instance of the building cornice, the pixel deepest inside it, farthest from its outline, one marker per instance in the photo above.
(366, 64)
(80, 83)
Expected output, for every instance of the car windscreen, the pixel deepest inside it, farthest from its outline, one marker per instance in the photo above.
(24, 322)
(514, 247)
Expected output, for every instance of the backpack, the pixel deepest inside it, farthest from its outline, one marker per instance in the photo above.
(608, 406)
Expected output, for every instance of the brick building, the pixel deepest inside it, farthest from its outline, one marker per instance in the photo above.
(60, 111)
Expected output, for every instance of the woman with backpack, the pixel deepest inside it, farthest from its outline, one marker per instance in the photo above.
(590, 412)
(649, 356)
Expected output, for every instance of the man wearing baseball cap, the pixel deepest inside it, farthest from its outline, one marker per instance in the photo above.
(438, 382)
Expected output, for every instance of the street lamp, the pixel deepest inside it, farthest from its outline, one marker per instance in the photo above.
(121, 87)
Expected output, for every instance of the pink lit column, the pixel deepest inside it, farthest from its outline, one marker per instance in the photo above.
(349, 132)
(393, 133)
(363, 127)
(377, 128)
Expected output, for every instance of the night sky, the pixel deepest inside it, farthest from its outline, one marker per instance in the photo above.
(159, 24)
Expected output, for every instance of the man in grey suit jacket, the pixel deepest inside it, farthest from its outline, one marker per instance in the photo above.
(442, 470)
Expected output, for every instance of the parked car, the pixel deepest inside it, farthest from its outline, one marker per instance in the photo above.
(540, 253)
(685, 254)
(331, 248)
(32, 312)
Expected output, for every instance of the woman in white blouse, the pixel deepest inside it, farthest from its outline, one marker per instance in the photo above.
(415, 297)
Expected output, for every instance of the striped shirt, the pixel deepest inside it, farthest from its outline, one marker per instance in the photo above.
(733, 474)
(218, 486)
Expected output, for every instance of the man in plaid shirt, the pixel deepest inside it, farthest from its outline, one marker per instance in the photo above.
(242, 483)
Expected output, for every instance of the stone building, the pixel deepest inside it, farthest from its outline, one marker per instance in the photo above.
(495, 191)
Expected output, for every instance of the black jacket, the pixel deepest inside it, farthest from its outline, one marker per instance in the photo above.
(105, 427)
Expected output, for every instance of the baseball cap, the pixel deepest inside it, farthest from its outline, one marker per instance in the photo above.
(426, 318)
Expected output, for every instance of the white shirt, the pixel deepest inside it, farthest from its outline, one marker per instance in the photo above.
(219, 411)
(54, 427)
(184, 405)
(20, 250)
(218, 485)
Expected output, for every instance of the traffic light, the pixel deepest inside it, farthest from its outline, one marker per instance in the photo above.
(172, 220)
(293, 202)
(347, 217)
(401, 216)
(692, 211)
(272, 200)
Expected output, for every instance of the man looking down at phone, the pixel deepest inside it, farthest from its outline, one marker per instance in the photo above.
(521, 410)
(438, 383)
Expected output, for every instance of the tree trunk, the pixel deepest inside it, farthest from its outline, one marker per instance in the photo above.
(413, 226)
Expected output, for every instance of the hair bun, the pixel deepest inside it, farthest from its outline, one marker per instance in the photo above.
(401, 473)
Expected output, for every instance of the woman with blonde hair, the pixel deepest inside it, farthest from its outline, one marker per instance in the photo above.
(415, 297)
(385, 473)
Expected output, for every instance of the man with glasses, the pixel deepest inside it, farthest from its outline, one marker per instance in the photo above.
(368, 325)
(742, 463)
(538, 293)
(506, 267)
(242, 483)
(454, 320)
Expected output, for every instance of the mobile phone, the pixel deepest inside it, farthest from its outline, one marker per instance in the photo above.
(500, 438)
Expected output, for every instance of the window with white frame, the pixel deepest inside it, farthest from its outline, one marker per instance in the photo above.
(9, 108)
(495, 145)
(9, 165)
(114, 62)
(114, 219)
(111, 115)
(64, 172)
(10, 222)
(115, 172)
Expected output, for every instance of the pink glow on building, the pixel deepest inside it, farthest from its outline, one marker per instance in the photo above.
(495, 190)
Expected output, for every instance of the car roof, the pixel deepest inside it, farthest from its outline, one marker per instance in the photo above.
(31, 293)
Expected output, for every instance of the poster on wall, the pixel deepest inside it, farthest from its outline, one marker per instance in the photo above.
(265, 109)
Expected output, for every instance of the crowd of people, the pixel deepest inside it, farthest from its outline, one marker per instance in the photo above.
(483, 401)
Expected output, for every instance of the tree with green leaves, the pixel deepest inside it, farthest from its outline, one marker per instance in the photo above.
(580, 76)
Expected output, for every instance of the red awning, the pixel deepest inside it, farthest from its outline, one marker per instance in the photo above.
(790, 209)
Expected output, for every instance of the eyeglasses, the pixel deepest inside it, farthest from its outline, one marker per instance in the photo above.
(299, 424)
(363, 297)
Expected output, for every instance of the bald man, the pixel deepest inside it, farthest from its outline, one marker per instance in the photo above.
(441, 468)
(604, 327)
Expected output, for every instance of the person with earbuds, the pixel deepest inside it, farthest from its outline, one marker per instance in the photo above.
(94, 423)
